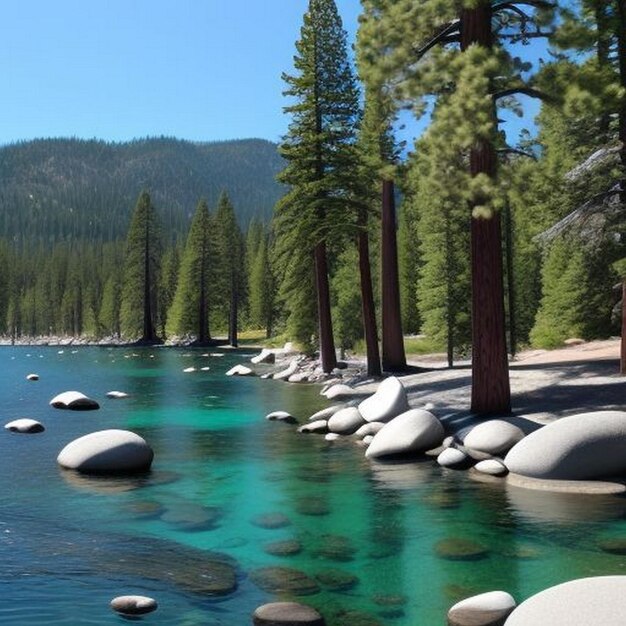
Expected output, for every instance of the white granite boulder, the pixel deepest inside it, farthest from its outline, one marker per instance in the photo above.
(579, 447)
(133, 605)
(25, 425)
(453, 458)
(332, 436)
(599, 600)
(265, 356)
(340, 390)
(486, 609)
(318, 426)
(117, 395)
(346, 421)
(369, 428)
(389, 401)
(107, 452)
(415, 430)
(493, 467)
(32, 377)
(74, 401)
(281, 416)
(495, 437)
(290, 370)
(326, 413)
(240, 370)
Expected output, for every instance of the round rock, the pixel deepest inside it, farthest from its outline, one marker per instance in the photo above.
(32, 377)
(75, 401)
(457, 549)
(117, 395)
(453, 458)
(582, 602)
(107, 452)
(369, 428)
(318, 426)
(492, 467)
(325, 414)
(25, 425)
(281, 416)
(339, 390)
(346, 421)
(240, 370)
(134, 605)
(413, 431)
(579, 447)
(286, 614)
(493, 437)
(486, 609)
(284, 580)
(389, 400)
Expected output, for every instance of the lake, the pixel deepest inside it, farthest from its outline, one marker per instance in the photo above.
(231, 494)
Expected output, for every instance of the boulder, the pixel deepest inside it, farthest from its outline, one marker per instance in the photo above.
(415, 430)
(284, 580)
(188, 370)
(291, 369)
(74, 401)
(453, 458)
(240, 370)
(579, 447)
(346, 421)
(32, 377)
(326, 413)
(582, 602)
(367, 440)
(265, 356)
(332, 436)
(369, 428)
(117, 395)
(486, 609)
(340, 390)
(107, 452)
(319, 426)
(298, 377)
(389, 401)
(25, 425)
(281, 416)
(286, 614)
(133, 605)
(493, 437)
(493, 467)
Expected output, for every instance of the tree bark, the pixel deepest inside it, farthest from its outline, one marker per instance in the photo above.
(490, 376)
(621, 49)
(327, 343)
(394, 359)
(367, 301)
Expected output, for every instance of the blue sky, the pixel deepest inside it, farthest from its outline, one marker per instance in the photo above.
(201, 70)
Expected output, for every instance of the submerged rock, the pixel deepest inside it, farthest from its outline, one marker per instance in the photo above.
(25, 425)
(133, 605)
(271, 521)
(457, 549)
(336, 579)
(75, 401)
(389, 400)
(286, 547)
(107, 451)
(192, 517)
(579, 447)
(284, 580)
(486, 609)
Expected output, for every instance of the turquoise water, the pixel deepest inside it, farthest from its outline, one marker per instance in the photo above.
(68, 545)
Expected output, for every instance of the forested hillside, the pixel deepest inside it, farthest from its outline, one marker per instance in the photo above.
(55, 190)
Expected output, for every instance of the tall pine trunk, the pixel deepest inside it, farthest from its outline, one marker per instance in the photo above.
(491, 391)
(621, 50)
(394, 359)
(327, 343)
(367, 299)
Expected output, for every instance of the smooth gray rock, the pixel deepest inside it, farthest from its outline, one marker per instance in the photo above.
(117, 395)
(367, 440)
(326, 413)
(287, 614)
(319, 426)
(346, 421)
(493, 437)
(339, 390)
(25, 425)
(32, 377)
(74, 401)
(486, 609)
(579, 447)
(240, 370)
(281, 416)
(389, 401)
(134, 605)
(332, 436)
(584, 602)
(493, 467)
(451, 457)
(107, 451)
(291, 369)
(369, 428)
(265, 356)
(413, 431)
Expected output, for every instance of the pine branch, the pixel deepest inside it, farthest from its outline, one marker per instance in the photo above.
(510, 4)
(448, 34)
(525, 91)
(509, 150)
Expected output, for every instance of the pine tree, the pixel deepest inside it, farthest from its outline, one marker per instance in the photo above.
(168, 281)
(109, 314)
(189, 312)
(452, 50)
(138, 311)
(347, 305)
(321, 159)
(261, 289)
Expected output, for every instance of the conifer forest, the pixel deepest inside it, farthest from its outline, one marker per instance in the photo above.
(342, 238)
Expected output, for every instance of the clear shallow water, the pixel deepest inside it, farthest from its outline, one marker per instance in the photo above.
(70, 544)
